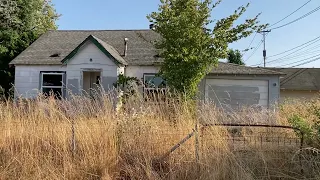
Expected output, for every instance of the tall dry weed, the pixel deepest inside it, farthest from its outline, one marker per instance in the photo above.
(84, 138)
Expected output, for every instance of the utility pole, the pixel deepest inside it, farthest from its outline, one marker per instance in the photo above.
(264, 46)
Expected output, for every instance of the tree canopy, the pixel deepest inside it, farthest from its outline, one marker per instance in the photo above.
(21, 23)
(192, 43)
(235, 57)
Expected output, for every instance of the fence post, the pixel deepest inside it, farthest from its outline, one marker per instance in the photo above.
(301, 146)
(197, 145)
(73, 137)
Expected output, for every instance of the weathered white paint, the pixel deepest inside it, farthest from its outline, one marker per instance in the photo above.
(237, 92)
(90, 58)
(90, 82)
(27, 78)
(139, 71)
(120, 70)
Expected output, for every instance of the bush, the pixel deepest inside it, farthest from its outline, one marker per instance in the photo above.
(307, 120)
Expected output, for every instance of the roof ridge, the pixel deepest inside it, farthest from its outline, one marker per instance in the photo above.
(261, 68)
(97, 30)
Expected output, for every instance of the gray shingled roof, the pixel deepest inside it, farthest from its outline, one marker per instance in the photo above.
(140, 49)
(234, 69)
(300, 78)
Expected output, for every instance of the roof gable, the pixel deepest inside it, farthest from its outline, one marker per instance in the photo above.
(108, 50)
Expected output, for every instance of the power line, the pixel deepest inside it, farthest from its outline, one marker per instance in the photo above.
(254, 37)
(255, 50)
(294, 47)
(291, 13)
(297, 73)
(298, 19)
(316, 59)
(306, 52)
(257, 47)
(301, 55)
(292, 52)
(296, 57)
(318, 55)
(309, 43)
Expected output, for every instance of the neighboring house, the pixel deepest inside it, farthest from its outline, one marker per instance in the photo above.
(76, 61)
(299, 83)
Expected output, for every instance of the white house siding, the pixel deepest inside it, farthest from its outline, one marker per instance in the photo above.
(99, 62)
(27, 79)
(139, 71)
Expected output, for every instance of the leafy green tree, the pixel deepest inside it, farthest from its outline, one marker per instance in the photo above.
(189, 46)
(235, 57)
(21, 23)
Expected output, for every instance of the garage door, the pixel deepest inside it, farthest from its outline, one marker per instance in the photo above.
(237, 93)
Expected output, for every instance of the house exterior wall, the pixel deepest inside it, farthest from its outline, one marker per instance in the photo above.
(90, 58)
(27, 79)
(139, 71)
(273, 88)
(287, 95)
(273, 82)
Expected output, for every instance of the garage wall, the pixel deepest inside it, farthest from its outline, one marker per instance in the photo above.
(273, 85)
(287, 95)
(27, 79)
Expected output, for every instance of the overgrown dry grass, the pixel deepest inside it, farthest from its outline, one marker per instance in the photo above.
(37, 142)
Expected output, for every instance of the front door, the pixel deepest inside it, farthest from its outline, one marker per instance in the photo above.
(91, 83)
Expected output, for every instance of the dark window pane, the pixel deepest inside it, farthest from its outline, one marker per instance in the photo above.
(152, 81)
(52, 80)
(56, 92)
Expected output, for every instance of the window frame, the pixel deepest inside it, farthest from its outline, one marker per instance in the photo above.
(152, 74)
(62, 87)
(145, 89)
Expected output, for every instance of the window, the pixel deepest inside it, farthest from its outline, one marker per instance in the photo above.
(154, 87)
(52, 84)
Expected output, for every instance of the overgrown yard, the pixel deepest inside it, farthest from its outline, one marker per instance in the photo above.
(85, 139)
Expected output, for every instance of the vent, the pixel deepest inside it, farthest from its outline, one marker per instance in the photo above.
(55, 55)
(125, 47)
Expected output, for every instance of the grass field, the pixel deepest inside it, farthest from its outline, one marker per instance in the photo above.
(86, 139)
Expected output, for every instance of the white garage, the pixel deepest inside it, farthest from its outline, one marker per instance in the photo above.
(234, 86)
(237, 92)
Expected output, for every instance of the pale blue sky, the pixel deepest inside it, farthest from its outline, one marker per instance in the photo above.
(131, 14)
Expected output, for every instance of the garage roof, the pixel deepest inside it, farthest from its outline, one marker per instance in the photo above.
(234, 69)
